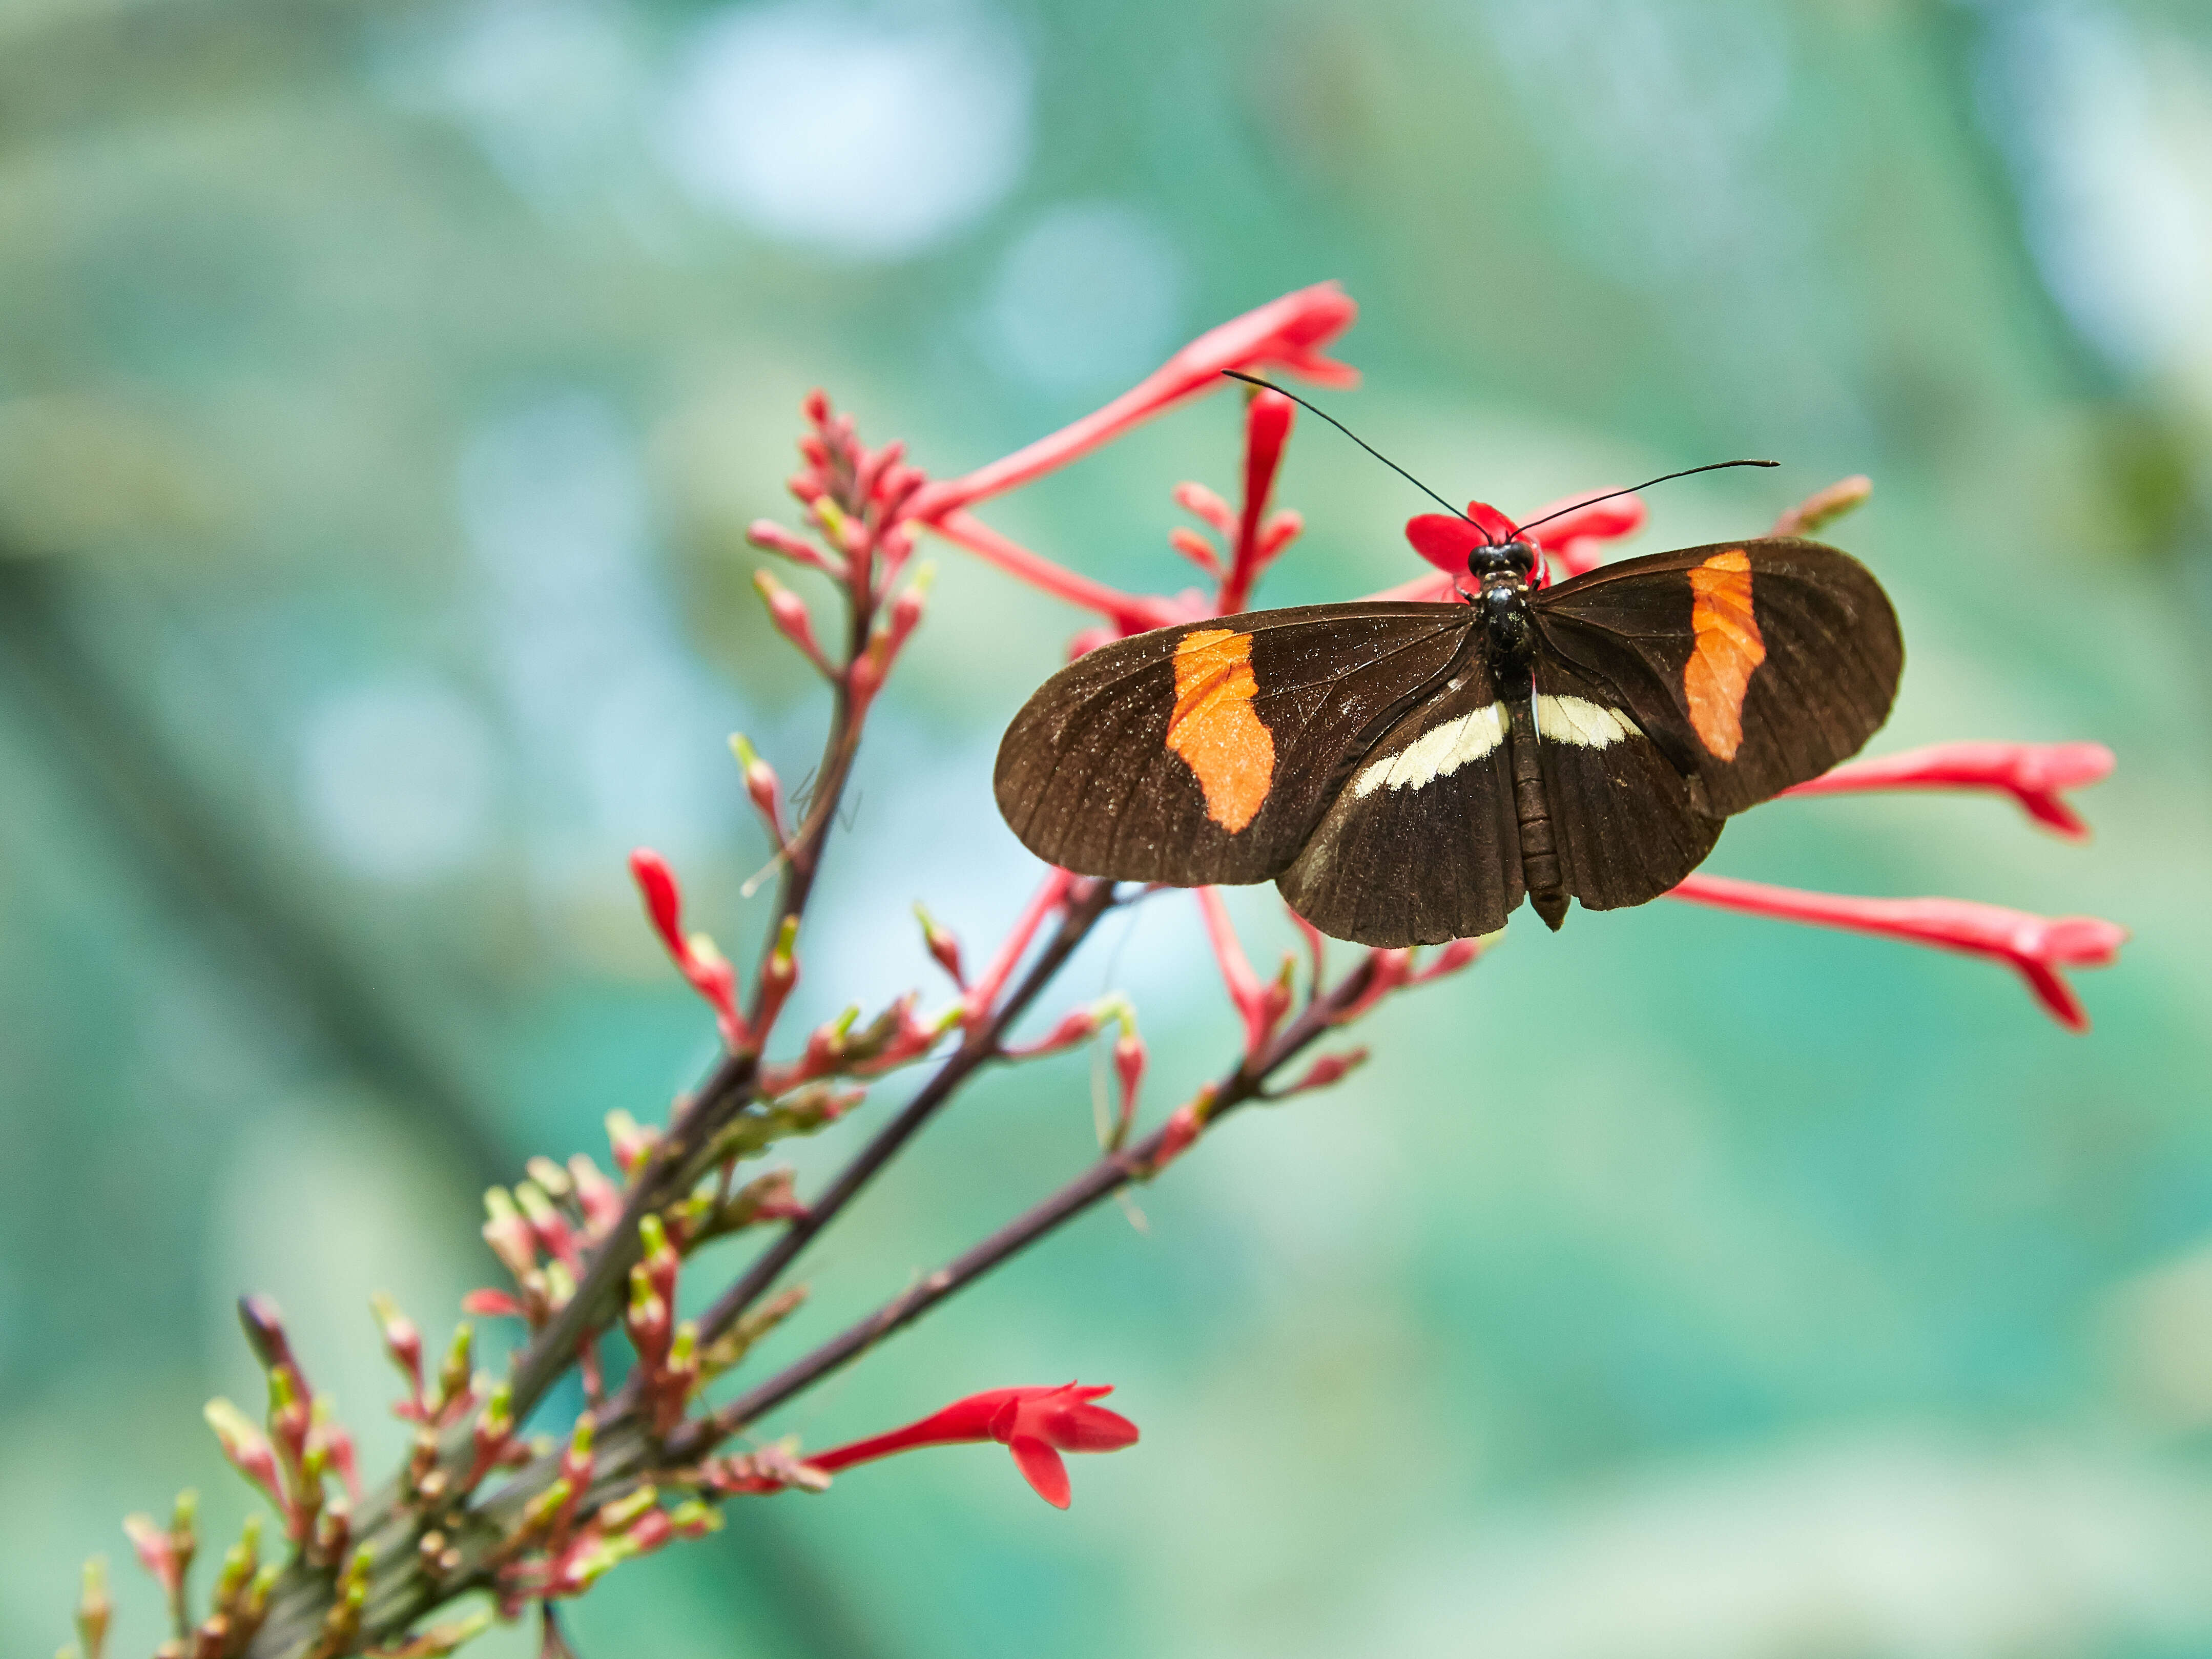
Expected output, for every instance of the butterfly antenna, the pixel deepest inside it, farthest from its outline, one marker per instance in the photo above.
(1713, 466)
(1253, 379)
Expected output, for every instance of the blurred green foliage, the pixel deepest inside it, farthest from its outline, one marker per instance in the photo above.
(383, 391)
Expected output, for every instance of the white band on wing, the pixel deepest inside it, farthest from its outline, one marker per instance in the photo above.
(1580, 721)
(1436, 753)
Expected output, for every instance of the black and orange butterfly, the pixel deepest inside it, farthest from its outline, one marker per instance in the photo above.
(1406, 773)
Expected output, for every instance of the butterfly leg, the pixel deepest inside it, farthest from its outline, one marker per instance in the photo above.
(1540, 853)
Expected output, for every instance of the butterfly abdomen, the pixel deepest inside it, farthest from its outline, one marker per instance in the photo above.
(1540, 851)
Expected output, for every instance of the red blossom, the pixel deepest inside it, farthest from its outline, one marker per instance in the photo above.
(2036, 947)
(1289, 333)
(1036, 1425)
(1573, 542)
(1267, 421)
(2035, 775)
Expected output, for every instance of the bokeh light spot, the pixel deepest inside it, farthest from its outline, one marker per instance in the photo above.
(396, 778)
(818, 127)
(1088, 295)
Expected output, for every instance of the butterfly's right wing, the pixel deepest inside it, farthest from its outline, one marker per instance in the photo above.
(1751, 665)
(1206, 752)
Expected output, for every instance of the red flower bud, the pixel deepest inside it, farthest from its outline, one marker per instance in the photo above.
(1207, 507)
(1327, 1070)
(1825, 505)
(1184, 1126)
(789, 614)
(696, 958)
(1196, 548)
(1454, 956)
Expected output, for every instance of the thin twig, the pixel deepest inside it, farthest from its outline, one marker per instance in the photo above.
(981, 1047)
(553, 1350)
(1102, 1179)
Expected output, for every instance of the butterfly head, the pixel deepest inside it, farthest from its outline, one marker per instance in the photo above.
(1509, 562)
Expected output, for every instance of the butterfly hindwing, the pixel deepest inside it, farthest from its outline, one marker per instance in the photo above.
(1204, 752)
(1752, 665)
(1624, 822)
(1420, 845)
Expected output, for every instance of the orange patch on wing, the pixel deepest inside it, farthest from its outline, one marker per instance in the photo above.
(1727, 647)
(1213, 728)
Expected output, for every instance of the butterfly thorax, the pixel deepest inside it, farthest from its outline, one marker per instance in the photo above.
(1509, 635)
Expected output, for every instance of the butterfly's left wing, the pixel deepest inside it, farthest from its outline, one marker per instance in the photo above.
(1206, 752)
(1750, 665)
(1420, 845)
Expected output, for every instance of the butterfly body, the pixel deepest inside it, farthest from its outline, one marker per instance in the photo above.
(1408, 772)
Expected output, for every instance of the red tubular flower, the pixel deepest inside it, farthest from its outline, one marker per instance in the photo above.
(1131, 613)
(2036, 947)
(1267, 421)
(1036, 1425)
(2032, 774)
(1575, 541)
(1288, 333)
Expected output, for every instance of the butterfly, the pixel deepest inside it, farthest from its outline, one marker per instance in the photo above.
(1407, 773)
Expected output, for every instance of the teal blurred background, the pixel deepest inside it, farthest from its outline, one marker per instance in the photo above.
(384, 388)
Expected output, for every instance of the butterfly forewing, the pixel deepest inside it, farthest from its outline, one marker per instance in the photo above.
(1420, 845)
(1752, 665)
(1205, 752)
(1623, 818)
